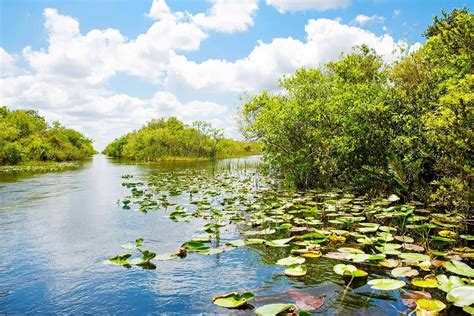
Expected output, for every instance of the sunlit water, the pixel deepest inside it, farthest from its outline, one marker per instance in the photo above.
(56, 230)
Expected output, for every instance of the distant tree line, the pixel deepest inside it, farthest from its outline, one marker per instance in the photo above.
(26, 136)
(360, 124)
(163, 139)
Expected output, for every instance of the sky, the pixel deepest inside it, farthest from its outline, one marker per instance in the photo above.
(106, 67)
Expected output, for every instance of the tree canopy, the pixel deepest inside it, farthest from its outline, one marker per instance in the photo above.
(162, 139)
(26, 136)
(359, 123)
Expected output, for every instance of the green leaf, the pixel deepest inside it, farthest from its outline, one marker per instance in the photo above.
(273, 309)
(233, 299)
(386, 284)
(428, 281)
(446, 284)
(291, 260)
(120, 259)
(461, 296)
(429, 306)
(296, 270)
(414, 256)
(404, 272)
(460, 268)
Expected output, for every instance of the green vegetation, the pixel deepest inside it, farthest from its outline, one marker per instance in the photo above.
(26, 137)
(172, 139)
(362, 125)
(383, 247)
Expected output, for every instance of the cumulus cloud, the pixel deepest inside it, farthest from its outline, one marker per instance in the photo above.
(68, 80)
(8, 64)
(228, 16)
(325, 40)
(362, 19)
(284, 6)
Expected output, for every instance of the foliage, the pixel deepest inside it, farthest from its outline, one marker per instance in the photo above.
(164, 139)
(26, 136)
(358, 123)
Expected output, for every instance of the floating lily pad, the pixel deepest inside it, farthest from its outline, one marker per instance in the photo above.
(291, 260)
(296, 270)
(461, 296)
(426, 282)
(273, 309)
(279, 242)
(386, 284)
(429, 306)
(120, 259)
(460, 268)
(349, 269)
(404, 272)
(446, 284)
(414, 256)
(349, 250)
(389, 263)
(409, 299)
(233, 299)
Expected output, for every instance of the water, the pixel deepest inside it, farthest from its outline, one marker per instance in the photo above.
(56, 230)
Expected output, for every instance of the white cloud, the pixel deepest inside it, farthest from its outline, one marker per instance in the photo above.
(8, 63)
(397, 12)
(159, 9)
(228, 16)
(284, 6)
(69, 79)
(325, 40)
(362, 19)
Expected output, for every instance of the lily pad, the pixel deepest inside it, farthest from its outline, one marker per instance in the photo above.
(446, 284)
(273, 309)
(349, 269)
(404, 272)
(460, 268)
(291, 260)
(429, 306)
(409, 299)
(137, 244)
(461, 296)
(296, 270)
(120, 259)
(386, 284)
(426, 282)
(279, 242)
(414, 256)
(233, 299)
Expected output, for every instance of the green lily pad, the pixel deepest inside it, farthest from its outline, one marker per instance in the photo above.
(349, 269)
(461, 296)
(386, 284)
(279, 242)
(291, 260)
(254, 241)
(349, 250)
(194, 246)
(404, 272)
(428, 281)
(469, 309)
(296, 270)
(233, 300)
(144, 259)
(460, 268)
(120, 259)
(429, 306)
(273, 309)
(414, 256)
(446, 284)
(467, 237)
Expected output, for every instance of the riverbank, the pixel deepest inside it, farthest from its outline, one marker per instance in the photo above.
(39, 167)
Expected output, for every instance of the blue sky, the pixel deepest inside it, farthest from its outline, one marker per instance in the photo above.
(106, 67)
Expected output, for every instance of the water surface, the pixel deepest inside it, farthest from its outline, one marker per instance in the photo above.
(56, 230)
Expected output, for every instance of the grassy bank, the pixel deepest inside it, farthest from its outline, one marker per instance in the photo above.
(37, 167)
